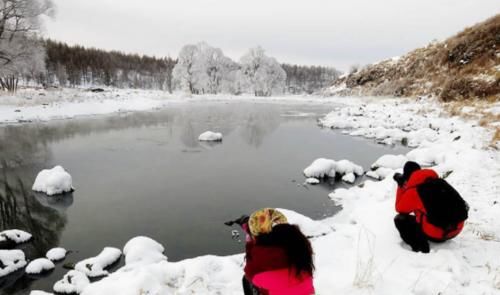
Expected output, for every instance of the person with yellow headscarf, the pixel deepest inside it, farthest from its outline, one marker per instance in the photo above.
(279, 258)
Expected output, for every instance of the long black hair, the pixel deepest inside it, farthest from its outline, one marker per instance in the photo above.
(297, 247)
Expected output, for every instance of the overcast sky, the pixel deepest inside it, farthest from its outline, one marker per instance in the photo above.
(320, 32)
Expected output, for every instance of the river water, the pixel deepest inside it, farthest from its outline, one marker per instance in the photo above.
(146, 174)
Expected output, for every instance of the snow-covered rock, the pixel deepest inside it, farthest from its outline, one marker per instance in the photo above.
(56, 254)
(95, 266)
(15, 235)
(390, 161)
(72, 282)
(320, 168)
(39, 266)
(11, 261)
(312, 180)
(343, 167)
(349, 178)
(210, 136)
(143, 250)
(53, 181)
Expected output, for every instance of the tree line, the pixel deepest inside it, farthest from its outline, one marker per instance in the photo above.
(28, 60)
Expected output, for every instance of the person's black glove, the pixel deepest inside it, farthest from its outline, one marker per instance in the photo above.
(239, 221)
(398, 177)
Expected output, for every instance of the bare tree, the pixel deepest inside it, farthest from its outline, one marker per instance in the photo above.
(20, 51)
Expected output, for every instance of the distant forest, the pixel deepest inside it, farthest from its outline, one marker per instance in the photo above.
(71, 66)
(78, 66)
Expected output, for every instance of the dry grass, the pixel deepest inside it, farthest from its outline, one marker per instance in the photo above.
(451, 68)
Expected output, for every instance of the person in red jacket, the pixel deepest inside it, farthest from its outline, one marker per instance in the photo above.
(279, 258)
(411, 222)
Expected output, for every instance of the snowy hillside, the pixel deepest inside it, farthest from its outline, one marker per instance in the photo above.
(464, 66)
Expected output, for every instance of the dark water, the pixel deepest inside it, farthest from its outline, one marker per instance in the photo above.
(146, 174)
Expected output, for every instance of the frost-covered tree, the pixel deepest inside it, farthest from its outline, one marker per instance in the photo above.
(20, 51)
(213, 68)
(202, 68)
(184, 71)
(262, 75)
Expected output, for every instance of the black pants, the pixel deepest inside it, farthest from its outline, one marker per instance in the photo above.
(249, 288)
(411, 233)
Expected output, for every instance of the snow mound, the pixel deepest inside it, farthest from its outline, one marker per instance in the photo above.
(143, 250)
(56, 254)
(53, 181)
(210, 136)
(312, 180)
(72, 282)
(11, 261)
(37, 292)
(15, 235)
(322, 167)
(390, 161)
(39, 266)
(201, 275)
(95, 266)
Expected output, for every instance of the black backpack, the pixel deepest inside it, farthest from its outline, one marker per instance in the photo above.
(444, 205)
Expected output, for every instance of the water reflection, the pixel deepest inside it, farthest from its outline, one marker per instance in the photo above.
(44, 217)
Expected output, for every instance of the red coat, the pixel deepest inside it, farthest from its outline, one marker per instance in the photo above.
(408, 201)
(268, 269)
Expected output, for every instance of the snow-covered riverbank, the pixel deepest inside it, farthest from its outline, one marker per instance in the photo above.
(362, 252)
(359, 251)
(31, 105)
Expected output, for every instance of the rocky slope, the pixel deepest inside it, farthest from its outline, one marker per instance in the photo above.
(465, 66)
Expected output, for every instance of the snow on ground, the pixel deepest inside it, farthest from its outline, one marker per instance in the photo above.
(143, 250)
(37, 292)
(390, 161)
(210, 136)
(15, 235)
(96, 266)
(56, 254)
(358, 251)
(39, 266)
(31, 105)
(11, 261)
(53, 181)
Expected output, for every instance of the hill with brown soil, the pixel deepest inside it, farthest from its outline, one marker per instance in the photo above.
(465, 66)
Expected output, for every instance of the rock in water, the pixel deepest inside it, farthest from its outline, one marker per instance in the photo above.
(53, 181)
(210, 136)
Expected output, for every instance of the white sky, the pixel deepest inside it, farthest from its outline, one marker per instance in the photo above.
(321, 32)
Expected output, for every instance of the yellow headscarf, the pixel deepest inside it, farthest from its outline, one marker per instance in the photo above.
(263, 220)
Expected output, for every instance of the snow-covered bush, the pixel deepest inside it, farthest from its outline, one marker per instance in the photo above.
(262, 75)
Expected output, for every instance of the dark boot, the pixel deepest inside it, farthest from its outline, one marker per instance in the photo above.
(411, 233)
